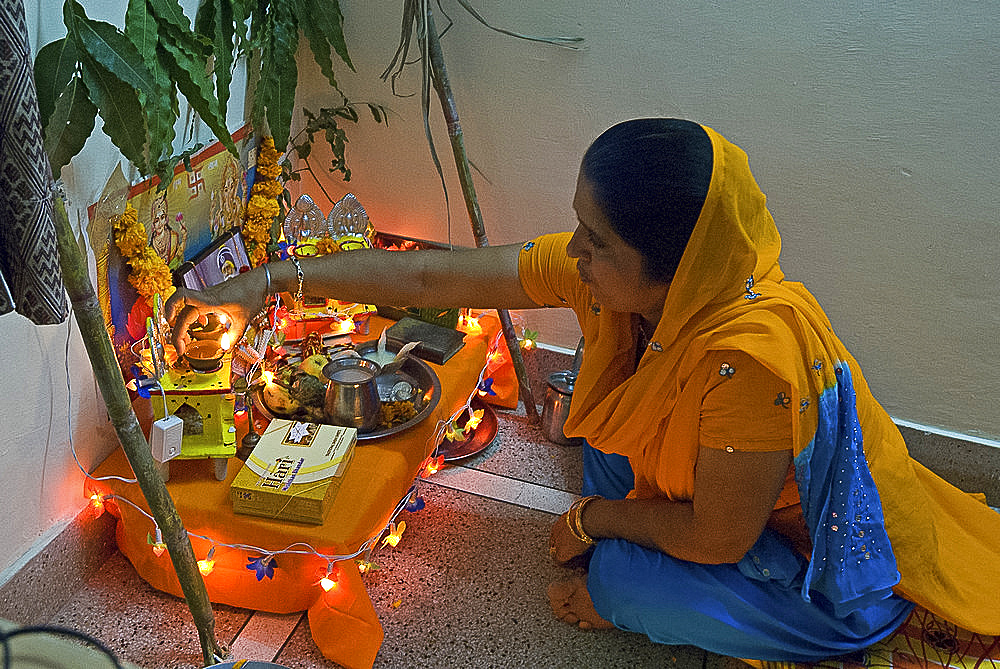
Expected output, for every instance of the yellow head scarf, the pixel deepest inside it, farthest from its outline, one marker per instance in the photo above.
(728, 292)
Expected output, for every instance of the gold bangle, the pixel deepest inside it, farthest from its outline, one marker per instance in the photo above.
(574, 518)
(569, 523)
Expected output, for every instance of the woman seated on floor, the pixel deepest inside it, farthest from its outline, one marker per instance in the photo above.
(743, 491)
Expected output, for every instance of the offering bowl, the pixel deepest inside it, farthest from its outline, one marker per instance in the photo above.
(204, 355)
(213, 329)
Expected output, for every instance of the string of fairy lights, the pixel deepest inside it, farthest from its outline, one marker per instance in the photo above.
(262, 560)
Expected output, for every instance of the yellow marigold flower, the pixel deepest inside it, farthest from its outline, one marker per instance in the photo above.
(258, 256)
(129, 234)
(150, 275)
(263, 206)
(326, 245)
(271, 189)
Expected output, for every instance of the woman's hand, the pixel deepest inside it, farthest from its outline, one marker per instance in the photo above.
(563, 545)
(239, 299)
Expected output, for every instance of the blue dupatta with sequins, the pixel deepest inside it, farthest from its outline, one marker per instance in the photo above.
(852, 564)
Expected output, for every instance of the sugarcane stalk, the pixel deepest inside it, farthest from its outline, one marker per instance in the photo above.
(90, 320)
(450, 110)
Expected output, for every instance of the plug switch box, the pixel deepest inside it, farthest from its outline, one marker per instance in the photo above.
(165, 438)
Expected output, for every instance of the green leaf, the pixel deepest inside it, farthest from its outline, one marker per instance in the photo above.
(347, 112)
(120, 109)
(54, 67)
(327, 14)
(142, 29)
(175, 27)
(378, 113)
(204, 17)
(322, 25)
(170, 14)
(188, 70)
(215, 21)
(275, 95)
(109, 47)
(71, 123)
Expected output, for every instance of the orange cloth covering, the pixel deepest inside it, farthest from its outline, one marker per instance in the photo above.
(343, 621)
(730, 294)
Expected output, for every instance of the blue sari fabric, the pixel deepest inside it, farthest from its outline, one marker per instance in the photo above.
(773, 604)
(852, 562)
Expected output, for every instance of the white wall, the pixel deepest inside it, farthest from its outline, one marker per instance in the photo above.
(871, 126)
(47, 386)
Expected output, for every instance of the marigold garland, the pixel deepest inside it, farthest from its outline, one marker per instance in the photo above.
(150, 274)
(263, 206)
(325, 245)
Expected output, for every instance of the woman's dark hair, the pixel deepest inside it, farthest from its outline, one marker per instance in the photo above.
(650, 177)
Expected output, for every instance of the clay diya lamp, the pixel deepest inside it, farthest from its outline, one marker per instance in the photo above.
(204, 355)
(211, 330)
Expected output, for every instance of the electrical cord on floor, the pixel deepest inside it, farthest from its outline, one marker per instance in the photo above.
(6, 635)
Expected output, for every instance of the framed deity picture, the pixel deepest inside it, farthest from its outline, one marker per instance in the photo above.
(223, 259)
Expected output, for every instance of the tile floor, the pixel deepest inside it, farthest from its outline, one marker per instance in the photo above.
(465, 587)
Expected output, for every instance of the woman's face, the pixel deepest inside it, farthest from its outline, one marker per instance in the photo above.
(608, 265)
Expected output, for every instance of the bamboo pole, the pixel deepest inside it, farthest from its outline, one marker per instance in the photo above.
(448, 107)
(90, 320)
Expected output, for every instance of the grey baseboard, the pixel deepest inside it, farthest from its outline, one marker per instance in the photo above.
(32, 591)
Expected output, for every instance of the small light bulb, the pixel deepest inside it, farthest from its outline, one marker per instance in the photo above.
(395, 532)
(97, 504)
(208, 564)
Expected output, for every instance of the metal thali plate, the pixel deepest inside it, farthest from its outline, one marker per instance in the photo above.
(414, 372)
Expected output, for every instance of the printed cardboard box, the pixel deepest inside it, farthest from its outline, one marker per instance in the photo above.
(294, 472)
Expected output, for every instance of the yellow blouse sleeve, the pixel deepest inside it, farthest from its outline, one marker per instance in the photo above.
(746, 407)
(547, 274)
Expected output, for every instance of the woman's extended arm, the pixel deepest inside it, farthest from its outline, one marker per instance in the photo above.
(734, 494)
(480, 277)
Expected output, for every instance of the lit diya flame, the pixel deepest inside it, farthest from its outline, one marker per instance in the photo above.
(470, 325)
(268, 376)
(345, 326)
(226, 341)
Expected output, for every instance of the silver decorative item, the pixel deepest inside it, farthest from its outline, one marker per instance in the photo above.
(352, 398)
(304, 221)
(348, 223)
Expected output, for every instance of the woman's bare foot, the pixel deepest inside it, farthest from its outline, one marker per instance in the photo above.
(571, 603)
